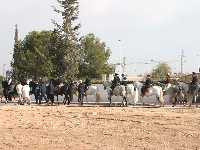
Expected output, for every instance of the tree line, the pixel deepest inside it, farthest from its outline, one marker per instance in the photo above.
(60, 52)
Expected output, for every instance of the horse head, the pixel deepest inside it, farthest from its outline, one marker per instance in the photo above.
(107, 85)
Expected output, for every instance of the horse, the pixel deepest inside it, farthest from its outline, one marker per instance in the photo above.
(121, 91)
(175, 93)
(58, 89)
(191, 92)
(5, 90)
(152, 91)
(69, 90)
(91, 90)
(9, 90)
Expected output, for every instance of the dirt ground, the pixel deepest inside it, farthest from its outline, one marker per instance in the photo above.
(99, 128)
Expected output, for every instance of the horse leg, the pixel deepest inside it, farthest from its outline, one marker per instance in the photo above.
(82, 97)
(57, 99)
(190, 99)
(110, 100)
(124, 102)
(65, 100)
(28, 100)
(86, 99)
(19, 101)
(174, 99)
(52, 101)
(40, 99)
(195, 100)
(68, 99)
(159, 101)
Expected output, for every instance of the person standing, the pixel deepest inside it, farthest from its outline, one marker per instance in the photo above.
(168, 79)
(81, 91)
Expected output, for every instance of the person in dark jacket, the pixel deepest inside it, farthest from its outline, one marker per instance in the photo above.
(194, 83)
(124, 80)
(43, 87)
(37, 93)
(148, 83)
(115, 82)
(81, 91)
(195, 79)
(168, 79)
(51, 91)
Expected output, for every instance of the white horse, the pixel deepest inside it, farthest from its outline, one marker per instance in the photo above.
(175, 93)
(93, 91)
(153, 91)
(19, 88)
(121, 91)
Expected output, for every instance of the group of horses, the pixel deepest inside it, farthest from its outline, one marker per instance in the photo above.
(130, 94)
(180, 92)
(46, 91)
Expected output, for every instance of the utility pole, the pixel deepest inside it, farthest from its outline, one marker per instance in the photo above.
(182, 61)
(124, 65)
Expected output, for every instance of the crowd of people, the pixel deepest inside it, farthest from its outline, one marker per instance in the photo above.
(45, 90)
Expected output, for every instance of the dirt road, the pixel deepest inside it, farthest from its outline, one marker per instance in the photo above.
(94, 128)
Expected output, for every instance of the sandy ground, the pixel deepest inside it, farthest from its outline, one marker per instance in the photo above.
(96, 128)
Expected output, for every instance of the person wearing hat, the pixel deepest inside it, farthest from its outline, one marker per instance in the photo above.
(194, 84)
(81, 91)
(116, 81)
(195, 79)
(124, 80)
(148, 83)
(168, 79)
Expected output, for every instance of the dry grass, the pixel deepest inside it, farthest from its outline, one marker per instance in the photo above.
(74, 128)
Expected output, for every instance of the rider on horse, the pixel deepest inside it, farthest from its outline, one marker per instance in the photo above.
(124, 80)
(148, 83)
(168, 79)
(195, 79)
(116, 81)
(195, 82)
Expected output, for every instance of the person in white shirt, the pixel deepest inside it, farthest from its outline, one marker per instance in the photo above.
(26, 94)
(19, 92)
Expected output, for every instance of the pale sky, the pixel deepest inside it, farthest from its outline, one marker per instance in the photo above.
(148, 29)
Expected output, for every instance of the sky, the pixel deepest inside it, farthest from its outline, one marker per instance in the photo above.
(147, 29)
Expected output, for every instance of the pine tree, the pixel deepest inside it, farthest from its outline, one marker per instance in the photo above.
(68, 55)
(16, 55)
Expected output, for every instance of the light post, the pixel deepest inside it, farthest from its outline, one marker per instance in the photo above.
(122, 59)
